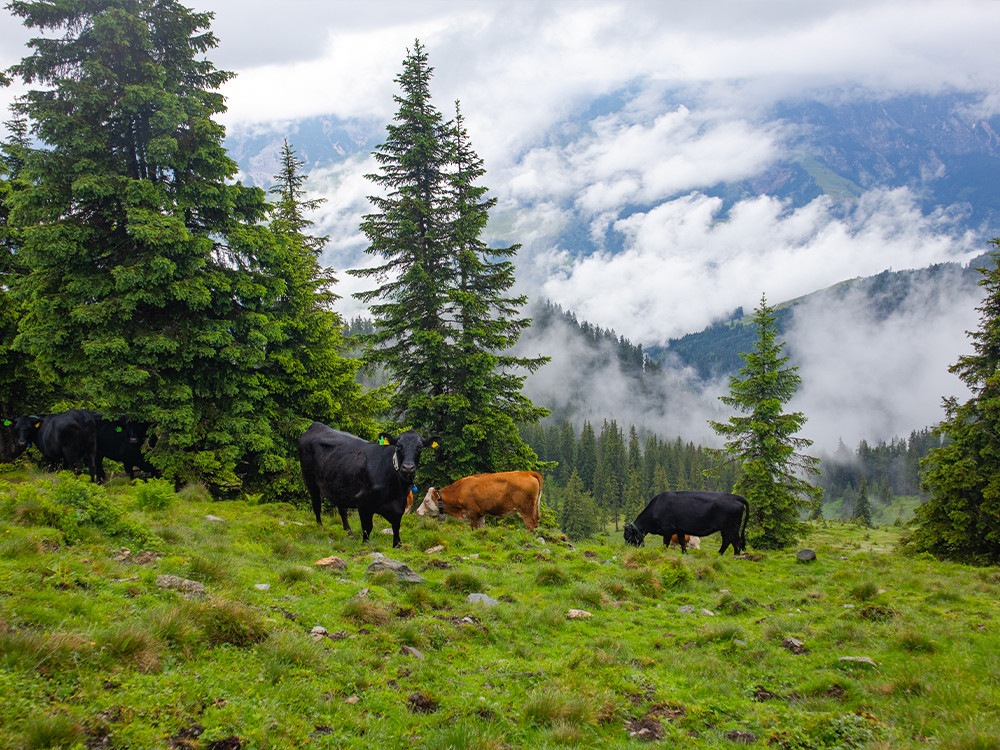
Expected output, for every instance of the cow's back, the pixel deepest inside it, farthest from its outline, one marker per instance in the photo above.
(697, 513)
(339, 462)
(499, 493)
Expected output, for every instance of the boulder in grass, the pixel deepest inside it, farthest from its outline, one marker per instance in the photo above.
(331, 563)
(402, 571)
(805, 556)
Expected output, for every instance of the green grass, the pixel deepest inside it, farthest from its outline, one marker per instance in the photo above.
(94, 653)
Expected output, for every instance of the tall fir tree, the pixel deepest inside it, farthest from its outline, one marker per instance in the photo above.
(444, 317)
(960, 520)
(307, 375)
(765, 441)
(586, 455)
(149, 278)
(863, 506)
(578, 516)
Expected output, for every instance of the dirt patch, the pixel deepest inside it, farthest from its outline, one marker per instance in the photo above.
(669, 711)
(761, 694)
(186, 738)
(419, 703)
(750, 556)
(740, 737)
(226, 743)
(648, 728)
(836, 692)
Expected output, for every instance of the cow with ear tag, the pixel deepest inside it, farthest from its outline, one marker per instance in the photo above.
(349, 472)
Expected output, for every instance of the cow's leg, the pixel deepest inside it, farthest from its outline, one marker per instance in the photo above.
(343, 519)
(314, 494)
(395, 521)
(366, 524)
(726, 541)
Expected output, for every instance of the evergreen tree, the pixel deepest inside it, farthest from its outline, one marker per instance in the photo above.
(307, 375)
(586, 456)
(633, 502)
(21, 387)
(862, 506)
(445, 318)
(961, 518)
(578, 516)
(765, 440)
(149, 270)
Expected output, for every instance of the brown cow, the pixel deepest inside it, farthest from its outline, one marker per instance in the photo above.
(692, 542)
(488, 495)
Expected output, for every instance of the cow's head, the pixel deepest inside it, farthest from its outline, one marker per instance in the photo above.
(407, 455)
(633, 536)
(27, 430)
(431, 504)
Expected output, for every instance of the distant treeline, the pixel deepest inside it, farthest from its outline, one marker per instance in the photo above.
(890, 468)
(622, 469)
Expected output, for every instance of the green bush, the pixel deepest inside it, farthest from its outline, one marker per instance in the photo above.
(71, 505)
(154, 494)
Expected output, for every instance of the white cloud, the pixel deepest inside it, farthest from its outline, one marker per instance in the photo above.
(683, 267)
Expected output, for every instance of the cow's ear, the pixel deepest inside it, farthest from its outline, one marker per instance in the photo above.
(384, 438)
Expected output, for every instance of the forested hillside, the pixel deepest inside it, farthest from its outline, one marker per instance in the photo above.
(715, 351)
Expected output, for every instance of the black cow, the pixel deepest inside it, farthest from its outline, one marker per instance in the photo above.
(66, 438)
(121, 439)
(694, 513)
(352, 473)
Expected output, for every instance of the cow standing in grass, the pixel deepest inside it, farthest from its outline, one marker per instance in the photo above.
(67, 438)
(482, 495)
(352, 473)
(695, 513)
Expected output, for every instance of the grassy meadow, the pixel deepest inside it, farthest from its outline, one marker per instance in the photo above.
(699, 651)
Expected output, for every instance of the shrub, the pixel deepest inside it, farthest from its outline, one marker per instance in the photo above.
(675, 574)
(71, 504)
(366, 611)
(131, 645)
(154, 494)
(224, 621)
(463, 581)
(864, 590)
(48, 731)
(550, 575)
(548, 706)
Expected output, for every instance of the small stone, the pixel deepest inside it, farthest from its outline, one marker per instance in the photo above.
(403, 573)
(867, 660)
(363, 593)
(388, 532)
(577, 614)
(685, 609)
(214, 518)
(334, 563)
(319, 632)
(262, 586)
(410, 651)
(180, 584)
(486, 601)
(434, 549)
(352, 700)
(708, 613)
(794, 645)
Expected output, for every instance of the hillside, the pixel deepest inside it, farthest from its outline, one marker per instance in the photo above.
(133, 617)
(715, 351)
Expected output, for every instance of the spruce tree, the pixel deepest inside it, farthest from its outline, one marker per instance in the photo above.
(578, 516)
(586, 455)
(443, 315)
(960, 520)
(149, 270)
(863, 506)
(765, 441)
(307, 375)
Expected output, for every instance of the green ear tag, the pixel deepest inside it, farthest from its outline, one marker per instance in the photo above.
(118, 429)
(7, 423)
(382, 441)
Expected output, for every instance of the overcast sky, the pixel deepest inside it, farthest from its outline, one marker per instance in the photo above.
(697, 76)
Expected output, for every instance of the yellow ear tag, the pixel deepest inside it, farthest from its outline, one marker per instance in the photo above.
(434, 444)
(382, 441)
(37, 425)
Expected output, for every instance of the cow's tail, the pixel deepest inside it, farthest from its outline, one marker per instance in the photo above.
(746, 518)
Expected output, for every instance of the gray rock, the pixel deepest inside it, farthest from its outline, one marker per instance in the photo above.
(866, 660)
(402, 571)
(177, 583)
(262, 586)
(686, 609)
(319, 632)
(333, 563)
(794, 645)
(214, 518)
(805, 555)
(410, 651)
(708, 613)
(486, 601)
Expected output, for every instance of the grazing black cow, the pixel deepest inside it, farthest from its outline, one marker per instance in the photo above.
(352, 473)
(66, 438)
(121, 440)
(695, 513)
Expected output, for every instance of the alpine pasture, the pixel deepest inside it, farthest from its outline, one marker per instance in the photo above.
(132, 616)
